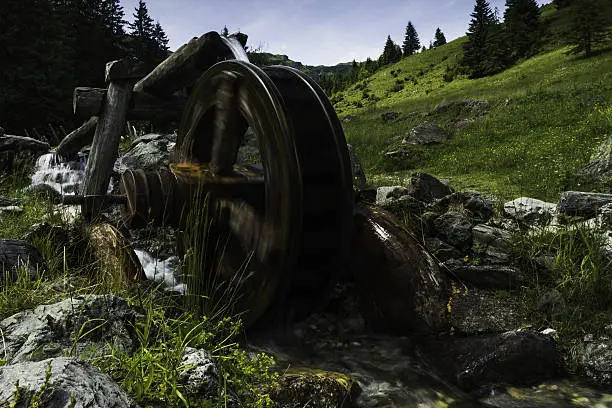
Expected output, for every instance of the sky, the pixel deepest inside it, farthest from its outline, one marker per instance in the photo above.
(313, 32)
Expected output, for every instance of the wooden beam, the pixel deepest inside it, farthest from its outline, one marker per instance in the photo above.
(78, 138)
(185, 65)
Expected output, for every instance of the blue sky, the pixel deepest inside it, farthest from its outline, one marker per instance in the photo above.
(314, 32)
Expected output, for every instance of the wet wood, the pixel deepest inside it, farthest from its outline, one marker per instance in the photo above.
(185, 66)
(78, 138)
(87, 102)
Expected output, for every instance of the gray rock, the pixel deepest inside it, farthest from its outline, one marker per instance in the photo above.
(599, 167)
(200, 373)
(531, 210)
(12, 143)
(477, 311)
(493, 244)
(485, 276)
(455, 229)
(16, 254)
(389, 116)
(441, 250)
(248, 152)
(425, 134)
(359, 178)
(73, 383)
(144, 155)
(462, 109)
(51, 330)
(604, 216)
(425, 187)
(479, 205)
(169, 137)
(594, 360)
(551, 303)
(11, 209)
(387, 193)
(578, 203)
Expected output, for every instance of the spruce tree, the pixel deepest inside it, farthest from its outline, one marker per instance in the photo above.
(159, 35)
(522, 27)
(388, 52)
(589, 24)
(423, 49)
(439, 38)
(411, 40)
(225, 31)
(474, 51)
(143, 32)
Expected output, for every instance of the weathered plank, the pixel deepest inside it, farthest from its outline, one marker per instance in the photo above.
(185, 66)
(78, 138)
(107, 136)
(88, 102)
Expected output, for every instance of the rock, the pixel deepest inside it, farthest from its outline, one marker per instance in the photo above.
(72, 383)
(604, 216)
(440, 250)
(405, 208)
(403, 290)
(578, 203)
(200, 373)
(594, 360)
(50, 330)
(485, 276)
(425, 134)
(478, 311)
(359, 178)
(389, 116)
(9, 201)
(11, 209)
(551, 303)
(15, 144)
(43, 190)
(462, 109)
(599, 167)
(306, 387)
(387, 193)
(15, 254)
(248, 152)
(492, 244)
(478, 362)
(169, 137)
(150, 153)
(455, 229)
(427, 188)
(531, 210)
(479, 205)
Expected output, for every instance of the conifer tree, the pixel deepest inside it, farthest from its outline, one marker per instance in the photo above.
(439, 38)
(225, 31)
(589, 24)
(159, 35)
(411, 40)
(424, 49)
(474, 51)
(389, 52)
(522, 24)
(146, 37)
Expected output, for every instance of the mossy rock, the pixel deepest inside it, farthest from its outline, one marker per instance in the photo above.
(307, 387)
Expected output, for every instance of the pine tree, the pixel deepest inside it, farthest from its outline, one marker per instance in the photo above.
(522, 27)
(388, 52)
(145, 37)
(411, 40)
(423, 49)
(589, 22)
(439, 38)
(474, 51)
(159, 35)
(225, 31)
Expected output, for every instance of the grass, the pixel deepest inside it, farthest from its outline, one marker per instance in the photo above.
(547, 115)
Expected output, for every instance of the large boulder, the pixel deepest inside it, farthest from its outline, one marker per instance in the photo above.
(403, 289)
(583, 204)
(426, 188)
(149, 152)
(12, 146)
(494, 245)
(531, 210)
(478, 362)
(17, 254)
(594, 360)
(599, 167)
(71, 383)
(425, 134)
(477, 204)
(485, 276)
(50, 330)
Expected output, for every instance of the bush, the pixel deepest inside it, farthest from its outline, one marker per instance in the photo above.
(397, 88)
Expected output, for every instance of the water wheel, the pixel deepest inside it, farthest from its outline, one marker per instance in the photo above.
(278, 223)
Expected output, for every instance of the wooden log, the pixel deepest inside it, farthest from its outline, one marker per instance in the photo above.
(111, 123)
(185, 66)
(78, 138)
(88, 102)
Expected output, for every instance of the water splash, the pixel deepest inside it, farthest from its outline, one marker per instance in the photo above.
(160, 271)
(64, 177)
(236, 48)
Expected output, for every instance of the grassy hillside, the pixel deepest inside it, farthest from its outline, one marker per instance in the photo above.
(546, 116)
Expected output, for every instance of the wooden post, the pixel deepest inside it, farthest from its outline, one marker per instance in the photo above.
(120, 76)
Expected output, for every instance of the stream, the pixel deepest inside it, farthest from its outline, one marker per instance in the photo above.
(388, 368)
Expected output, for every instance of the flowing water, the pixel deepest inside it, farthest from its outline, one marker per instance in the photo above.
(236, 48)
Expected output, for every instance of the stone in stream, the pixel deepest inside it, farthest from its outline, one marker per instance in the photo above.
(403, 290)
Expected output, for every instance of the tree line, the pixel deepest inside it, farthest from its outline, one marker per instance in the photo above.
(48, 47)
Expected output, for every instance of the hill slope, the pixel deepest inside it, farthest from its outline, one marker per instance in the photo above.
(546, 116)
